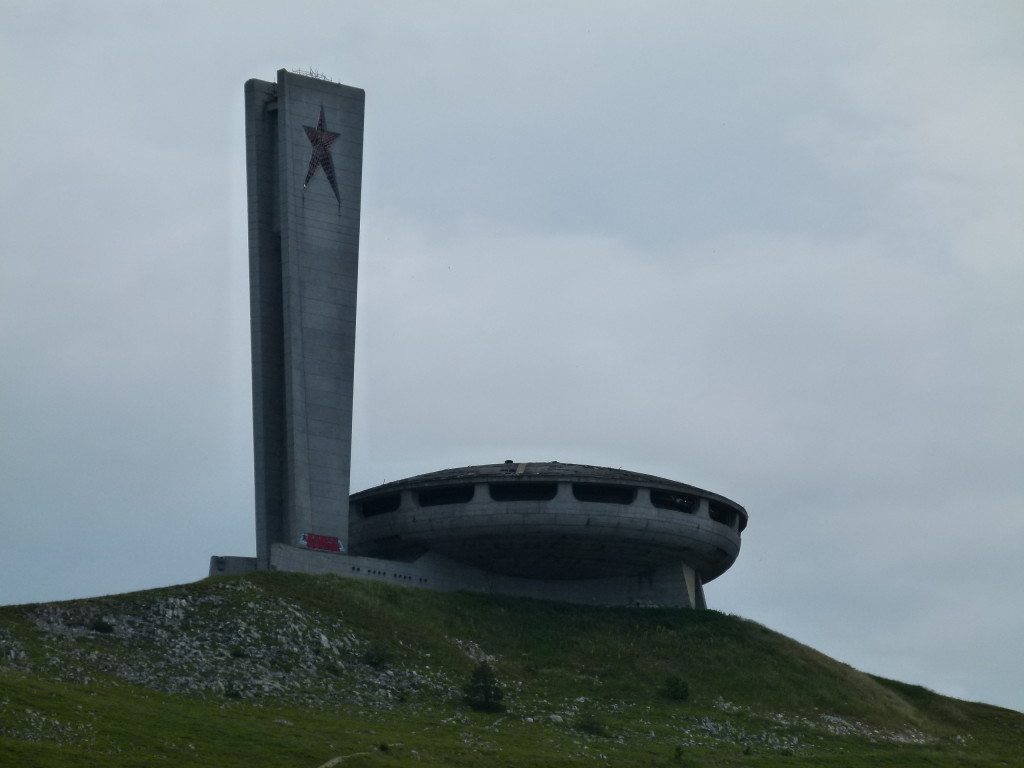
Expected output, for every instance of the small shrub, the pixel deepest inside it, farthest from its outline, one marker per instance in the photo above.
(377, 656)
(588, 722)
(99, 625)
(482, 692)
(675, 689)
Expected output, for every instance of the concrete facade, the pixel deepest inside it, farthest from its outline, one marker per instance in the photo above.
(304, 139)
(566, 532)
(551, 523)
(547, 530)
(673, 586)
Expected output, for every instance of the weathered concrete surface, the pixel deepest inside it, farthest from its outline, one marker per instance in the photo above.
(673, 585)
(557, 531)
(549, 521)
(303, 265)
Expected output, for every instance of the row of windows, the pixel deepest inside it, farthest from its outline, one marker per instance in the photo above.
(601, 493)
(395, 575)
(722, 513)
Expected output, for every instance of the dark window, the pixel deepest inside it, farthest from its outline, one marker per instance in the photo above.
(523, 491)
(604, 494)
(722, 513)
(382, 504)
(680, 502)
(445, 494)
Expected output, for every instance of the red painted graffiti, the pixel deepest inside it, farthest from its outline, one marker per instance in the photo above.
(319, 541)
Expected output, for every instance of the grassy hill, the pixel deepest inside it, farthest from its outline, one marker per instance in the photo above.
(281, 669)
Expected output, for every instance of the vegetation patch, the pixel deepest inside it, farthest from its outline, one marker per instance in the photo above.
(281, 669)
(483, 692)
(675, 689)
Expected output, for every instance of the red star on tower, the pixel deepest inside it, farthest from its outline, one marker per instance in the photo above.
(321, 139)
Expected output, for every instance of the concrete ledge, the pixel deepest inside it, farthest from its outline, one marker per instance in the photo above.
(228, 565)
(676, 585)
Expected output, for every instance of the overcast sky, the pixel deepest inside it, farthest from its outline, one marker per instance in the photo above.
(774, 250)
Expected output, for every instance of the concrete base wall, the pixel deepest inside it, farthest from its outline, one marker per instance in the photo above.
(226, 565)
(675, 585)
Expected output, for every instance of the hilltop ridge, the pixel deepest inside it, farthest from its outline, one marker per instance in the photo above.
(278, 668)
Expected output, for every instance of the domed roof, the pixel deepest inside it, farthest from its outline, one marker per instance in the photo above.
(551, 471)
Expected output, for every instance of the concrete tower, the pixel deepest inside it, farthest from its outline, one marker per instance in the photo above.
(304, 155)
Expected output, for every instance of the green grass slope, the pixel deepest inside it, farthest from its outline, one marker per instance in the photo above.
(280, 669)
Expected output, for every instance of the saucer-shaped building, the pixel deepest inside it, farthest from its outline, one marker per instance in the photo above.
(575, 532)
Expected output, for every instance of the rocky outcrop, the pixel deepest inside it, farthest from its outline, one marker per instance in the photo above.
(229, 640)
